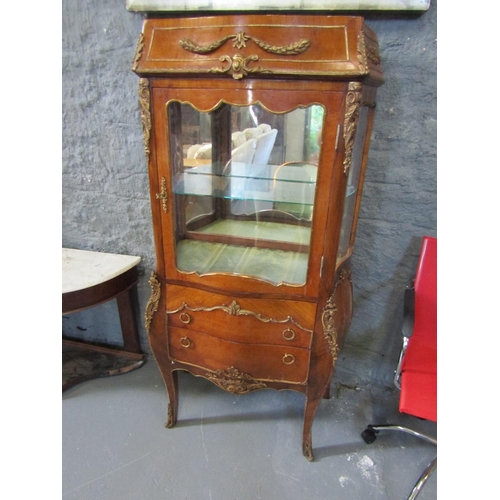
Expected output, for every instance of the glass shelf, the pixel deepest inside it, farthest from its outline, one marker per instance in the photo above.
(275, 266)
(259, 230)
(293, 183)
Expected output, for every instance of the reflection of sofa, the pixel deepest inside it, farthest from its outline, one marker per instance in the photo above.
(253, 145)
(296, 181)
(264, 146)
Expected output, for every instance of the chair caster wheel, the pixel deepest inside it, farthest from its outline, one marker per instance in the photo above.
(369, 435)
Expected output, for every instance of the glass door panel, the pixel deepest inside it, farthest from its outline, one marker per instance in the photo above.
(244, 189)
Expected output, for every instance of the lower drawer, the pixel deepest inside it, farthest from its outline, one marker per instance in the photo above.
(263, 362)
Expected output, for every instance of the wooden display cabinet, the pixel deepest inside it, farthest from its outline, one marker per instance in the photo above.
(256, 131)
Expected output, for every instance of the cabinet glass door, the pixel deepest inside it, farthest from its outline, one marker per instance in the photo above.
(244, 180)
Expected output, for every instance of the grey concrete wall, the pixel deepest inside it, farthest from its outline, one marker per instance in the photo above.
(106, 203)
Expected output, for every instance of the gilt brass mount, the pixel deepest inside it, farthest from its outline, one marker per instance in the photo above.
(240, 40)
(234, 309)
(152, 305)
(162, 195)
(353, 103)
(238, 66)
(232, 380)
(328, 318)
(145, 103)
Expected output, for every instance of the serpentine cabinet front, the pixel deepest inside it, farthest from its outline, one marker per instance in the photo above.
(256, 131)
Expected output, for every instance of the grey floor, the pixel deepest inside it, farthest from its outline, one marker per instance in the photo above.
(229, 447)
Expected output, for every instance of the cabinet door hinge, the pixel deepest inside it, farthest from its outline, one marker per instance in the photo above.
(321, 266)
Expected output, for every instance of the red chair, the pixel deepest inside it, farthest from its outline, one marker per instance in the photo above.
(416, 373)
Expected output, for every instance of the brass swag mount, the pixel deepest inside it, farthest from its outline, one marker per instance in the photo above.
(238, 65)
(240, 40)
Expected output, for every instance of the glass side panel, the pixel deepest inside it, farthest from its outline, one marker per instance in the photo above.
(244, 180)
(353, 184)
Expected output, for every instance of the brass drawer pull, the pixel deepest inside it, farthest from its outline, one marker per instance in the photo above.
(185, 318)
(185, 342)
(288, 334)
(288, 359)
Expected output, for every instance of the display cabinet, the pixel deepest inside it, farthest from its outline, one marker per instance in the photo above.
(256, 131)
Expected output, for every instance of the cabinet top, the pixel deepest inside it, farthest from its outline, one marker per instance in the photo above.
(259, 46)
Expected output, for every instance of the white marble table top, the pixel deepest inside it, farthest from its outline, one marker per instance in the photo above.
(82, 268)
(224, 5)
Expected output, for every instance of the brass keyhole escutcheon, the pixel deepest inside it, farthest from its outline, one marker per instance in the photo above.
(185, 342)
(288, 334)
(185, 318)
(288, 359)
(162, 195)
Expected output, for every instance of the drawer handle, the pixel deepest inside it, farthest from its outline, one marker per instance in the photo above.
(288, 334)
(185, 342)
(185, 318)
(288, 359)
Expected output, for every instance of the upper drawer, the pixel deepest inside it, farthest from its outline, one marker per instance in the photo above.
(244, 320)
(262, 46)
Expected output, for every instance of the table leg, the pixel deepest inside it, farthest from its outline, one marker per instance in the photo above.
(128, 321)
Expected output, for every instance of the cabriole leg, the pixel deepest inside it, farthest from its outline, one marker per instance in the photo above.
(171, 382)
(310, 411)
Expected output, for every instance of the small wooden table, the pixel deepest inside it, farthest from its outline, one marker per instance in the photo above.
(89, 279)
